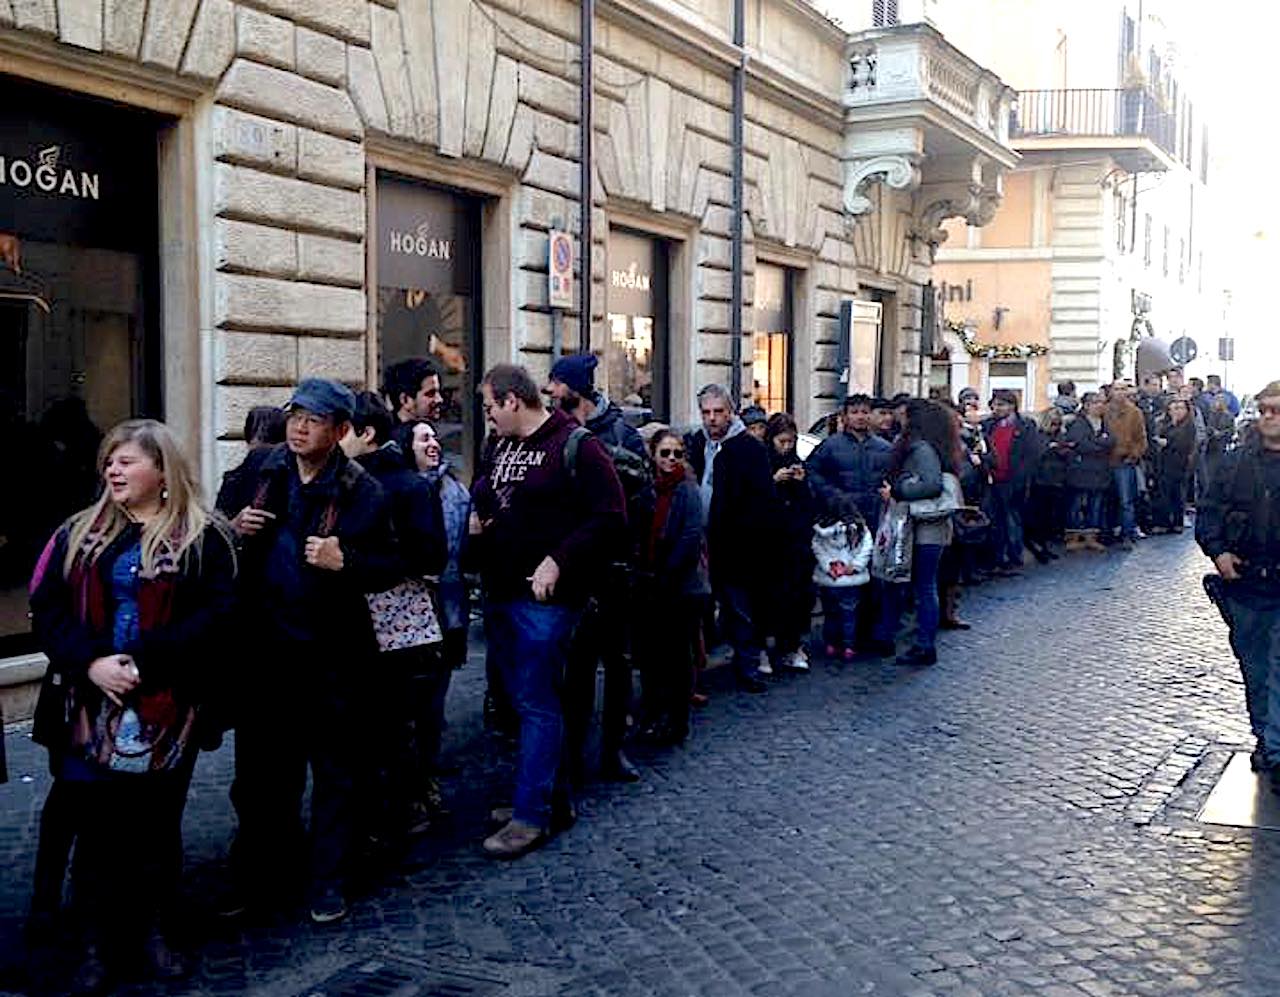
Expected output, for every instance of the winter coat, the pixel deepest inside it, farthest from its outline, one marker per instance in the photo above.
(1051, 471)
(455, 506)
(743, 518)
(921, 478)
(291, 600)
(184, 613)
(414, 504)
(1128, 429)
(1176, 454)
(1240, 513)
(679, 565)
(842, 464)
(834, 543)
(1089, 461)
(1220, 428)
(238, 484)
(797, 507)
(1024, 452)
(610, 427)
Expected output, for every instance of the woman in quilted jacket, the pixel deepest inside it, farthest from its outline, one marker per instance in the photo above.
(128, 601)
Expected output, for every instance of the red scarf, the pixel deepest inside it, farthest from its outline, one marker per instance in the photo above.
(665, 484)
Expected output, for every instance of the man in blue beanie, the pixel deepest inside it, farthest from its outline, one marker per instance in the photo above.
(604, 632)
(315, 538)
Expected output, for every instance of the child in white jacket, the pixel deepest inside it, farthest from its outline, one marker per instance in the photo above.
(842, 552)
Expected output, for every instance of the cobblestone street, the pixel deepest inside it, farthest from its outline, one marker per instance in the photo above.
(1017, 820)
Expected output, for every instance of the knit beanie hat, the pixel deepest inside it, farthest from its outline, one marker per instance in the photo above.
(576, 372)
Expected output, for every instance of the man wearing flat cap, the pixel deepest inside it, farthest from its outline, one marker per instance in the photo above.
(316, 537)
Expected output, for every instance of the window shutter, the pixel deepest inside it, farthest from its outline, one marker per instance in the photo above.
(884, 13)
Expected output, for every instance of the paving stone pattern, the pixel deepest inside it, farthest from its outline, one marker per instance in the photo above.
(1017, 820)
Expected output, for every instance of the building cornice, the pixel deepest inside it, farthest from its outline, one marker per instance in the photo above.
(45, 60)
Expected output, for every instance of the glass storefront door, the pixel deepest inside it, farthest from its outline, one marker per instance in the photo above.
(636, 375)
(771, 368)
(427, 264)
(79, 343)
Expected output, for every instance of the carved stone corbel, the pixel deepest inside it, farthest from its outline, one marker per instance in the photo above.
(899, 171)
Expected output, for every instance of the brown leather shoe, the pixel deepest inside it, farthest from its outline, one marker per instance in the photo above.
(514, 839)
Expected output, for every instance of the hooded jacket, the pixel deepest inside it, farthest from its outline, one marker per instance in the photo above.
(533, 508)
(843, 464)
(833, 543)
(611, 427)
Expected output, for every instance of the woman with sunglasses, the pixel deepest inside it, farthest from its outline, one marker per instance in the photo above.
(675, 562)
(129, 602)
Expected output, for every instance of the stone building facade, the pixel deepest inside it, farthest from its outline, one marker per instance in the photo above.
(289, 188)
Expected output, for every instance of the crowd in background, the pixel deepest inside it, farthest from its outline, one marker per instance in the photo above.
(320, 610)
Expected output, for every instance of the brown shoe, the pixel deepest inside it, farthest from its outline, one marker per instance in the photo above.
(1091, 542)
(515, 839)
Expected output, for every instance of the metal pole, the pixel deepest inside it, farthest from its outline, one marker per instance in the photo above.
(585, 92)
(739, 111)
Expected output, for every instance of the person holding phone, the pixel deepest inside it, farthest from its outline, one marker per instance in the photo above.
(130, 602)
(793, 605)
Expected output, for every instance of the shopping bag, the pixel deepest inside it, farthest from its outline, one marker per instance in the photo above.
(891, 555)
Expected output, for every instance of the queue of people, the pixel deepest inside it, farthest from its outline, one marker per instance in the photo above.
(342, 548)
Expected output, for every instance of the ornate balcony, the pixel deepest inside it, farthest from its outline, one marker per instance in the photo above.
(1131, 125)
(920, 116)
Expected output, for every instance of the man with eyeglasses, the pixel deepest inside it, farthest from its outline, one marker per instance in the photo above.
(543, 531)
(316, 537)
(1238, 526)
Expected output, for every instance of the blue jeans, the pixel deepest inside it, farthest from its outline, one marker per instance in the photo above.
(739, 610)
(1126, 479)
(1255, 639)
(924, 583)
(839, 615)
(529, 643)
(1007, 501)
(1086, 509)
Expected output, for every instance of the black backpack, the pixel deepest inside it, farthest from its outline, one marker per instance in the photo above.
(634, 471)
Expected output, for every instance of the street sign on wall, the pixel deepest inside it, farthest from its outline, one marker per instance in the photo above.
(1226, 348)
(1183, 350)
(560, 269)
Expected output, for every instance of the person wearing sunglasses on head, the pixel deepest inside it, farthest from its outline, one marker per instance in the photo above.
(1238, 527)
(675, 571)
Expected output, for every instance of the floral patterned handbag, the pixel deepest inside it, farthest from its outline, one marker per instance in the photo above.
(405, 616)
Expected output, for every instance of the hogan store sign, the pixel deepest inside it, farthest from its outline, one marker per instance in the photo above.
(45, 173)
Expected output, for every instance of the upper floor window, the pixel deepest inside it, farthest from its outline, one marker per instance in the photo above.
(1204, 154)
(1146, 241)
(1122, 222)
(884, 13)
(1182, 261)
(1164, 263)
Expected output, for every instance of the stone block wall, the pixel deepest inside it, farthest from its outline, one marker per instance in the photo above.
(297, 91)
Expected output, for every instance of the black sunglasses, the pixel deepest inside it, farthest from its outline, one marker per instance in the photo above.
(677, 453)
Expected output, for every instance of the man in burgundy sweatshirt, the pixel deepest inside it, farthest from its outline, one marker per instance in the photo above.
(545, 534)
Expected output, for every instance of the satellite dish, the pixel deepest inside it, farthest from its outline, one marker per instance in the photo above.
(1183, 350)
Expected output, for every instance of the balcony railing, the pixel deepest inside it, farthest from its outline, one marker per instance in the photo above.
(1133, 113)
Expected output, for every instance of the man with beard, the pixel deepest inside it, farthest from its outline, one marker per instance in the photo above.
(604, 633)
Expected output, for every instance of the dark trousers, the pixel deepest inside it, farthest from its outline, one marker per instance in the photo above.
(415, 682)
(1171, 498)
(1006, 523)
(669, 654)
(128, 850)
(601, 638)
(840, 615)
(740, 614)
(792, 604)
(1046, 514)
(312, 720)
(924, 585)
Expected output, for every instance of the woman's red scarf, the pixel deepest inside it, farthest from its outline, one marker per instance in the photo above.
(665, 485)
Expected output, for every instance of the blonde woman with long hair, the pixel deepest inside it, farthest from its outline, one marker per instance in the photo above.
(129, 601)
